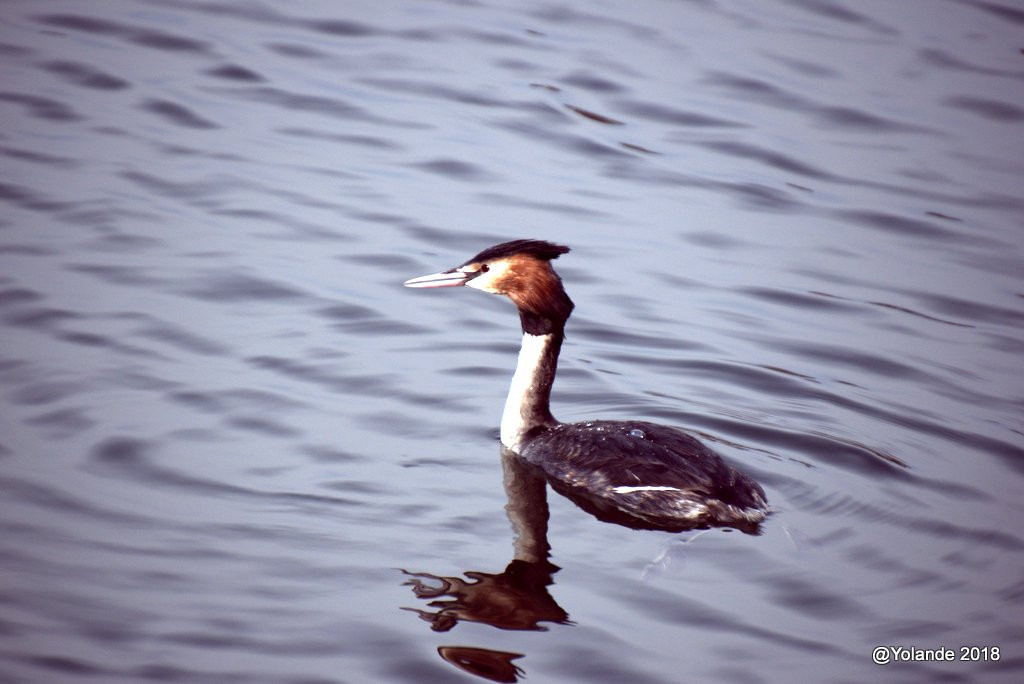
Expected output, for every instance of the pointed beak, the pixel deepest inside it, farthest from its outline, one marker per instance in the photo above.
(450, 278)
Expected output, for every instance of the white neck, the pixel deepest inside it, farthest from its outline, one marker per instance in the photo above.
(527, 403)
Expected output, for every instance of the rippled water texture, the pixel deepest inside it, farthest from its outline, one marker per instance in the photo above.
(234, 449)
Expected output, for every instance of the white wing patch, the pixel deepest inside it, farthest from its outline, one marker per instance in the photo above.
(626, 489)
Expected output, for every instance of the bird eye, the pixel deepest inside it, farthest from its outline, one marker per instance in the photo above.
(484, 268)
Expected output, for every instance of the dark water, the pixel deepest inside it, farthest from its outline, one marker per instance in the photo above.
(234, 449)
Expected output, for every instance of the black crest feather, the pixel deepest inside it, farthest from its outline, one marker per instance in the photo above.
(539, 249)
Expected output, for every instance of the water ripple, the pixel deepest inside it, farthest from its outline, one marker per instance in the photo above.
(135, 34)
(828, 115)
(235, 72)
(131, 458)
(456, 169)
(1010, 14)
(836, 11)
(670, 608)
(944, 60)
(239, 287)
(653, 111)
(177, 114)
(50, 497)
(36, 157)
(441, 91)
(341, 27)
(42, 107)
(328, 106)
(995, 110)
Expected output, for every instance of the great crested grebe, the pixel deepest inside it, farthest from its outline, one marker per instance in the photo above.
(655, 474)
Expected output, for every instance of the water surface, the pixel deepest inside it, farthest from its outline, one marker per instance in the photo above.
(234, 449)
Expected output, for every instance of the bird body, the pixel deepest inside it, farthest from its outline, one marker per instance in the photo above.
(647, 474)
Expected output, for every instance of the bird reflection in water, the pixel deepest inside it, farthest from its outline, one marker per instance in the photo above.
(483, 662)
(516, 598)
